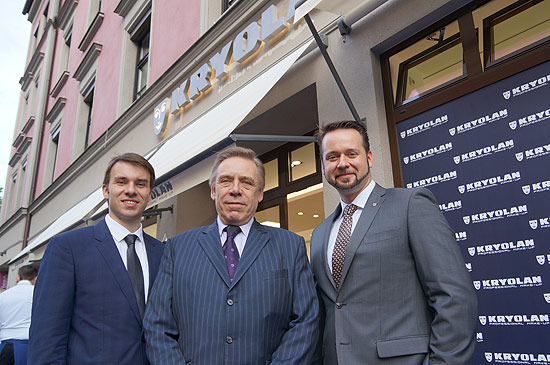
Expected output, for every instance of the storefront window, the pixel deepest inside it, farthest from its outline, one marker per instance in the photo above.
(271, 174)
(305, 211)
(301, 162)
(269, 217)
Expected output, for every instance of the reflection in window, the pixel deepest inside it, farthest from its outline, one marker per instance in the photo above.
(271, 174)
(301, 162)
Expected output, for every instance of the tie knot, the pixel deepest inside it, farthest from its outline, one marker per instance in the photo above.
(130, 239)
(232, 231)
(350, 209)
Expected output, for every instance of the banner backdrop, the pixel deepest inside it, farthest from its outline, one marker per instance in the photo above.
(486, 157)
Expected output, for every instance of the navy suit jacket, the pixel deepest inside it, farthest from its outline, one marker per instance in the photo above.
(84, 309)
(267, 314)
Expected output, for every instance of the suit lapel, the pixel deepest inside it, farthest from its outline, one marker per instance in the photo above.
(152, 260)
(365, 220)
(212, 247)
(107, 247)
(256, 241)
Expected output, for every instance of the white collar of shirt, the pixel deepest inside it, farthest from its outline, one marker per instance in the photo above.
(360, 200)
(240, 239)
(119, 232)
(24, 282)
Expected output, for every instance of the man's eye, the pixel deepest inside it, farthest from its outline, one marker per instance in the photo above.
(352, 154)
(331, 158)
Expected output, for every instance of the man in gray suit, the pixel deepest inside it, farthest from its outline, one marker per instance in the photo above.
(391, 279)
(233, 292)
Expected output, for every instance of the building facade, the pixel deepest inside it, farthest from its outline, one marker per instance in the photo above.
(177, 81)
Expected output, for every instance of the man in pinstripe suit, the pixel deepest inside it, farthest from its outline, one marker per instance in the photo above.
(244, 297)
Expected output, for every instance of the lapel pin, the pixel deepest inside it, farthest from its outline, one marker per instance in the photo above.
(373, 204)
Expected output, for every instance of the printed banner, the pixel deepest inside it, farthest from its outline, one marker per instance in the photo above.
(486, 157)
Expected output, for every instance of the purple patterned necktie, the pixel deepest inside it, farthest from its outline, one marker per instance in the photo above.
(230, 250)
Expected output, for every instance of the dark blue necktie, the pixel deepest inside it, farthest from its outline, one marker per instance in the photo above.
(135, 272)
(230, 250)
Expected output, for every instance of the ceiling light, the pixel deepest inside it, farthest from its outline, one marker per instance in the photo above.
(300, 213)
(316, 216)
(295, 163)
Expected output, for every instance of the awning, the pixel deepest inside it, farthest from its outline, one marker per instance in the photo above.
(186, 149)
(70, 218)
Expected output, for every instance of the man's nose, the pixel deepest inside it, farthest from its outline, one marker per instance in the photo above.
(235, 188)
(343, 162)
(131, 188)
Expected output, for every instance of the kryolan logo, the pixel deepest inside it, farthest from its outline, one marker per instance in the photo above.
(244, 45)
(517, 358)
(424, 126)
(479, 122)
(530, 86)
(533, 152)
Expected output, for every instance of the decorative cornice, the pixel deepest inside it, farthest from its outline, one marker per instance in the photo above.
(33, 11)
(56, 110)
(88, 61)
(28, 124)
(18, 139)
(59, 84)
(66, 13)
(23, 147)
(11, 221)
(91, 32)
(124, 6)
(33, 65)
(14, 158)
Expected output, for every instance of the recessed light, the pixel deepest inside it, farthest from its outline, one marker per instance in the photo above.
(300, 213)
(295, 163)
(316, 216)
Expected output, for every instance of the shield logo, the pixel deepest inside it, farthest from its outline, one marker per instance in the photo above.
(526, 189)
(489, 356)
(533, 223)
(541, 259)
(513, 125)
(519, 156)
(452, 131)
(456, 159)
(406, 160)
(506, 94)
(461, 189)
(160, 117)
(547, 297)
(469, 266)
(403, 134)
(466, 219)
(483, 320)
(472, 251)
(477, 284)
(479, 337)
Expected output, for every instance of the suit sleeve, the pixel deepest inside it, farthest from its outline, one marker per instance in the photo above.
(299, 342)
(52, 307)
(159, 323)
(445, 281)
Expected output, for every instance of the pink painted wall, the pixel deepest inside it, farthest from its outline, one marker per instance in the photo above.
(175, 27)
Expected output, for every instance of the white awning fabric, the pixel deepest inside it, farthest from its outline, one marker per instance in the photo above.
(195, 138)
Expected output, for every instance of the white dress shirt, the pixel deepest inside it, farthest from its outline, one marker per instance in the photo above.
(119, 233)
(15, 311)
(240, 238)
(360, 200)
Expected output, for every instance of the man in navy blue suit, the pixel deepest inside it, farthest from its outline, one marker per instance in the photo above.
(93, 283)
(234, 292)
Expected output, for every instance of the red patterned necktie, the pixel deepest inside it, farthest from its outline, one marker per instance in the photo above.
(342, 239)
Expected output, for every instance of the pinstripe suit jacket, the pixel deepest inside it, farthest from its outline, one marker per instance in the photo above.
(84, 309)
(267, 314)
(405, 296)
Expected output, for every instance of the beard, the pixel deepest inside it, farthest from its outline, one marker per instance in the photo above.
(351, 184)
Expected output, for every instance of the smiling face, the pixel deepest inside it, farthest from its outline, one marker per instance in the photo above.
(345, 162)
(128, 193)
(236, 190)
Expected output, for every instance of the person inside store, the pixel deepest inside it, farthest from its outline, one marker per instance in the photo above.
(90, 295)
(233, 292)
(15, 317)
(392, 282)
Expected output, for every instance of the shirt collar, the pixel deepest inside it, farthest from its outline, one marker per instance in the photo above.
(24, 282)
(245, 228)
(361, 199)
(119, 232)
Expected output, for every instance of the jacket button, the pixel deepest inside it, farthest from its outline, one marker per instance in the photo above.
(228, 339)
(229, 301)
(339, 305)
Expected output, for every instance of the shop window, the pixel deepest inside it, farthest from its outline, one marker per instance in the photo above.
(515, 28)
(431, 63)
(269, 216)
(305, 211)
(271, 174)
(301, 162)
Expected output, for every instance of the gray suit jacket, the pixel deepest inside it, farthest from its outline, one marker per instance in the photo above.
(406, 296)
(268, 314)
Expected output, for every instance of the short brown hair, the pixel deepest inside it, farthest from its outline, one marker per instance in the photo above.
(134, 159)
(242, 152)
(342, 124)
(27, 272)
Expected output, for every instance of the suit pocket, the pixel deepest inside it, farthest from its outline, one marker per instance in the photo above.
(276, 274)
(403, 346)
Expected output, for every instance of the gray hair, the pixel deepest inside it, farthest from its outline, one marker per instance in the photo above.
(242, 152)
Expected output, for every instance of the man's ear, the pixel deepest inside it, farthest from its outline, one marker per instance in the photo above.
(213, 192)
(105, 189)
